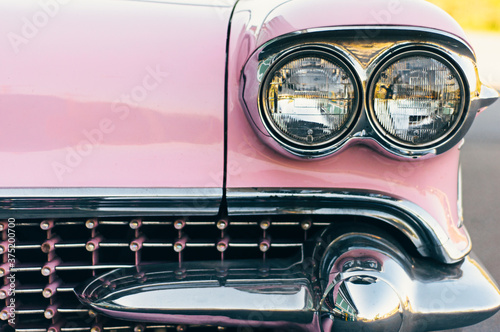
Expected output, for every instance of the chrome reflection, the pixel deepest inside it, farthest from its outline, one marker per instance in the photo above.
(365, 58)
(363, 303)
(350, 277)
(357, 297)
(416, 99)
(100, 202)
(422, 229)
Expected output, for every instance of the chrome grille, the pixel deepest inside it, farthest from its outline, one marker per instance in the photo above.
(53, 256)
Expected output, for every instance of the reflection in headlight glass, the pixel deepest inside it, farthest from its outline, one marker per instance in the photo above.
(310, 100)
(417, 99)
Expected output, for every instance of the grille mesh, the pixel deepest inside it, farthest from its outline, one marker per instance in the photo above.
(53, 256)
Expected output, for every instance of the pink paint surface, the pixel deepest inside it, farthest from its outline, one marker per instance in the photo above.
(112, 94)
(272, 18)
(431, 184)
(68, 118)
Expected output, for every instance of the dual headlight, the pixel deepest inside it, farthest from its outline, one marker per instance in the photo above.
(310, 100)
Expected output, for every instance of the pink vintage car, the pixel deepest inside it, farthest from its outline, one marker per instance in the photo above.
(223, 164)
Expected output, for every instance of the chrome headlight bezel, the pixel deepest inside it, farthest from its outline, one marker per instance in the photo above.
(287, 142)
(364, 57)
(408, 53)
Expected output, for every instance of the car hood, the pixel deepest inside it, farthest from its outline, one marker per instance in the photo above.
(103, 93)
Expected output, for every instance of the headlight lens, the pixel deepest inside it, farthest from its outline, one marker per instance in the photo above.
(309, 99)
(417, 99)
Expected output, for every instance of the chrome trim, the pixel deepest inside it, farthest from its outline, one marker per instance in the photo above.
(104, 328)
(71, 267)
(205, 293)
(40, 290)
(40, 311)
(425, 232)
(101, 202)
(365, 56)
(487, 96)
(350, 278)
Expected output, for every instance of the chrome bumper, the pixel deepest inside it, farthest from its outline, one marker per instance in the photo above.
(350, 278)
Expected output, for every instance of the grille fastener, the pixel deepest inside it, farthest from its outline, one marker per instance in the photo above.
(179, 224)
(222, 224)
(50, 267)
(46, 271)
(180, 244)
(91, 223)
(95, 328)
(221, 246)
(90, 246)
(47, 293)
(45, 225)
(50, 312)
(50, 244)
(136, 244)
(306, 224)
(51, 289)
(93, 244)
(178, 247)
(135, 224)
(265, 224)
(264, 245)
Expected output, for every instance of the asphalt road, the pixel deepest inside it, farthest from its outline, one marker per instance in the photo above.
(481, 185)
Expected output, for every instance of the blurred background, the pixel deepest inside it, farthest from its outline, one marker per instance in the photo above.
(480, 156)
(479, 15)
(481, 21)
